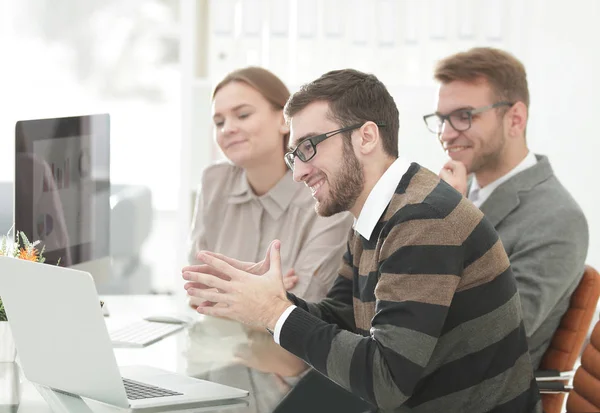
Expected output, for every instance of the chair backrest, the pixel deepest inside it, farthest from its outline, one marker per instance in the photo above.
(570, 335)
(585, 396)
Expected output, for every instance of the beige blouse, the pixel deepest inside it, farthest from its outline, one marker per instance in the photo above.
(230, 219)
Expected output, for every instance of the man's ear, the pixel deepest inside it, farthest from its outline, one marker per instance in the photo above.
(516, 119)
(284, 128)
(368, 138)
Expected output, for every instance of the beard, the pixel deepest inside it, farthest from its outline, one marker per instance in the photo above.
(345, 188)
(490, 156)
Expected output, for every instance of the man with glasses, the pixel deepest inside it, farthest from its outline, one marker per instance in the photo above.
(424, 314)
(481, 119)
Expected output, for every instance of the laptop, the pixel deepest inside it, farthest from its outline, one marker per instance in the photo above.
(63, 343)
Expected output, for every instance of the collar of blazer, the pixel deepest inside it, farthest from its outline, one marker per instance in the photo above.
(505, 198)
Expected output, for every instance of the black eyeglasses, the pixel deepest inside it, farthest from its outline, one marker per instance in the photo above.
(460, 119)
(307, 148)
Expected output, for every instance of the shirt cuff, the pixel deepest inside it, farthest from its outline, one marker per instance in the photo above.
(281, 321)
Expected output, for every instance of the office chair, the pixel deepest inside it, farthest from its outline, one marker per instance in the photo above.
(131, 218)
(584, 394)
(6, 207)
(560, 357)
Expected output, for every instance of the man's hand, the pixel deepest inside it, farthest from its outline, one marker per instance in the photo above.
(290, 279)
(230, 292)
(455, 173)
(256, 268)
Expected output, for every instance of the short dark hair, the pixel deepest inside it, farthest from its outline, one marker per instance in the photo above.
(353, 97)
(505, 74)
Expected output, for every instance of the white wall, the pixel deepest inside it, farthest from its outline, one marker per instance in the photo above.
(115, 57)
(564, 67)
(399, 41)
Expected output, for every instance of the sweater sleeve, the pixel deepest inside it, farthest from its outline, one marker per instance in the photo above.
(414, 290)
(337, 307)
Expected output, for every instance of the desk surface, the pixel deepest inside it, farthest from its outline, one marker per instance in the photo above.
(217, 350)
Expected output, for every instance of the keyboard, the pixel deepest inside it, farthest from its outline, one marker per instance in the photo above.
(136, 390)
(142, 333)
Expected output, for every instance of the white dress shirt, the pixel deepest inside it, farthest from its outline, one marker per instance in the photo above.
(376, 203)
(379, 198)
(479, 195)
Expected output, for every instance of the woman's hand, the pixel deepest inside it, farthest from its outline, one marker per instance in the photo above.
(263, 354)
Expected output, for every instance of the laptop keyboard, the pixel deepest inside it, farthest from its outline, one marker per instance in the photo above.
(136, 390)
(142, 333)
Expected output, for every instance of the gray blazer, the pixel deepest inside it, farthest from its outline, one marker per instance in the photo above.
(545, 235)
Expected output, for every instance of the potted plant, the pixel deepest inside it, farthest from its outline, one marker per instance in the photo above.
(23, 249)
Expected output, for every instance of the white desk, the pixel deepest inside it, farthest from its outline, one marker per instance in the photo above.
(205, 350)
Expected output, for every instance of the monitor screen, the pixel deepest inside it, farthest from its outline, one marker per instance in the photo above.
(62, 187)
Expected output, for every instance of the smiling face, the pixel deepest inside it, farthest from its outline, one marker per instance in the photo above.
(334, 175)
(482, 146)
(248, 129)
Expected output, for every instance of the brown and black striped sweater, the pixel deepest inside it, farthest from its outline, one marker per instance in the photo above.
(424, 316)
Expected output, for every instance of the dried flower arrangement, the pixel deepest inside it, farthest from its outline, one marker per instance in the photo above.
(22, 249)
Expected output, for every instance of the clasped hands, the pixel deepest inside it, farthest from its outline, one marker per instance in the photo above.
(251, 293)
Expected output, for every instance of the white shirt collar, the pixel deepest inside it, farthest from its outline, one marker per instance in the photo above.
(479, 195)
(379, 198)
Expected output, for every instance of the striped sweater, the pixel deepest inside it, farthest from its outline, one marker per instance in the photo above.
(424, 316)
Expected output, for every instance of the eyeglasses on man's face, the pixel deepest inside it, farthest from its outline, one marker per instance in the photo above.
(307, 148)
(460, 120)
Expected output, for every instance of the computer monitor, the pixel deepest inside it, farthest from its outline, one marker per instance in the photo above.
(62, 189)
